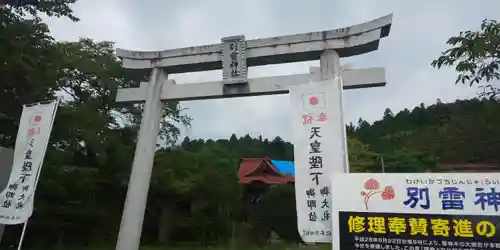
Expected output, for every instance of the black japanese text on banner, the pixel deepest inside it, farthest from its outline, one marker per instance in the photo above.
(16, 201)
(416, 211)
(319, 151)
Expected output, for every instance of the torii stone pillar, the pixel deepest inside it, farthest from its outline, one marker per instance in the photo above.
(234, 55)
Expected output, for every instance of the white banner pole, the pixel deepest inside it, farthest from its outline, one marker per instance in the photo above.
(21, 239)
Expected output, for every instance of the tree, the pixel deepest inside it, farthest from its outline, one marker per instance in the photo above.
(450, 133)
(388, 113)
(361, 159)
(91, 147)
(199, 189)
(407, 161)
(32, 9)
(91, 134)
(475, 56)
(363, 123)
(277, 212)
(29, 68)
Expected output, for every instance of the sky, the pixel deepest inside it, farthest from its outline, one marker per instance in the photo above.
(418, 35)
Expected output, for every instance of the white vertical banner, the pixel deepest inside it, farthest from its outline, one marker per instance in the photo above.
(319, 150)
(16, 200)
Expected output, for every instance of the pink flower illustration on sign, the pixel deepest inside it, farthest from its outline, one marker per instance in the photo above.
(372, 188)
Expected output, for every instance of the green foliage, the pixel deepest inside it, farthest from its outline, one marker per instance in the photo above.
(277, 212)
(475, 55)
(461, 132)
(59, 8)
(28, 72)
(361, 159)
(186, 185)
(88, 160)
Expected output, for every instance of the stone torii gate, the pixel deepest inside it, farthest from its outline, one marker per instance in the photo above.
(234, 55)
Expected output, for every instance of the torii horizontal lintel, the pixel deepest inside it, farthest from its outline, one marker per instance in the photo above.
(352, 79)
(349, 41)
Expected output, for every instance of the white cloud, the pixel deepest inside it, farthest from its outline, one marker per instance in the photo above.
(419, 32)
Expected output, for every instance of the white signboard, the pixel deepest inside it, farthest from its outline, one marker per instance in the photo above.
(416, 211)
(319, 150)
(16, 200)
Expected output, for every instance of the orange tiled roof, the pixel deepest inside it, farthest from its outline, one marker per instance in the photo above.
(261, 169)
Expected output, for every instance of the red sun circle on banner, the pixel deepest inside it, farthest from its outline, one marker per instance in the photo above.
(313, 100)
(35, 119)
